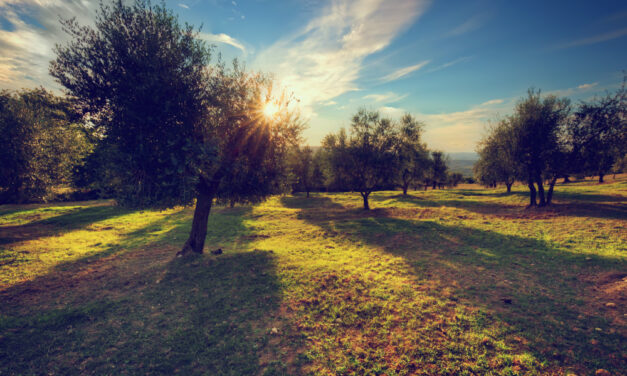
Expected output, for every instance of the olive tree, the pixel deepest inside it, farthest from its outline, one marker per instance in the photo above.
(178, 130)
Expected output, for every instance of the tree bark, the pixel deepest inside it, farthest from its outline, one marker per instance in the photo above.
(601, 178)
(405, 187)
(541, 199)
(365, 197)
(308, 193)
(549, 195)
(532, 193)
(566, 179)
(509, 187)
(196, 241)
(434, 184)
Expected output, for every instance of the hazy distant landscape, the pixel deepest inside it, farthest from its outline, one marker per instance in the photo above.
(318, 188)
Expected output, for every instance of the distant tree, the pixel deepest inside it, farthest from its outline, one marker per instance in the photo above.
(305, 168)
(42, 143)
(454, 179)
(497, 163)
(366, 158)
(176, 129)
(439, 169)
(538, 126)
(412, 152)
(599, 132)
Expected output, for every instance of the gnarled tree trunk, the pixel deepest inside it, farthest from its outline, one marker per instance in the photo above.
(549, 195)
(365, 195)
(532, 193)
(196, 241)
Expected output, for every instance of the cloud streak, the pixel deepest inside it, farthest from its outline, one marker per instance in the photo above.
(27, 47)
(402, 72)
(595, 39)
(224, 39)
(324, 59)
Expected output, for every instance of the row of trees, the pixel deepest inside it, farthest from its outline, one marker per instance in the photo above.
(376, 153)
(547, 139)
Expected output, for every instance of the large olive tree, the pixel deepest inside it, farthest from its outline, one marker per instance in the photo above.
(178, 130)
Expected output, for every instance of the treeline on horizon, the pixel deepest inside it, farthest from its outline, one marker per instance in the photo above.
(147, 120)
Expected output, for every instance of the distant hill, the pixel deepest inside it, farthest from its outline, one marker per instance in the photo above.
(462, 163)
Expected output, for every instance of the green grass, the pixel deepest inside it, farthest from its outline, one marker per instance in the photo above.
(452, 282)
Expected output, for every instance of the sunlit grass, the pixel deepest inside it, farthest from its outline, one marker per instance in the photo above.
(456, 281)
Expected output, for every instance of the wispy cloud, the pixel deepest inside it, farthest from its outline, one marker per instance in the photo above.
(222, 38)
(402, 72)
(573, 90)
(595, 39)
(491, 102)
(27, 47)
(449, 64)
(324, 59)
(183, 5)
(469, 25)
(389, 97)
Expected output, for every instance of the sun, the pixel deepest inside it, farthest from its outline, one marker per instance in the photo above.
(270, 109)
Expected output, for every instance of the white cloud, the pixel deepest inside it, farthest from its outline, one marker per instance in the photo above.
(388, 97)
(222, 38)
(26, 49)
(449, 64)
(491, 102)
(324, 59)
(587, 86)
(183, 5)
(467, 26)
(595, 39)
(404, 71)
(393, 112)
(573, 90)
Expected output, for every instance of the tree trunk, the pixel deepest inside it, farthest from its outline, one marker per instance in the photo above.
(509, 187)
(566, 179)
(365, 197)
(426, 186)
(405, 187)
(601, 178)
(532, 193)
(308, 193)
(549, 195)
(541, 199)
(434, 184)
(196, 241)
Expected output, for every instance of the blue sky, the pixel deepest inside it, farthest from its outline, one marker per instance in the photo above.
(454, 64)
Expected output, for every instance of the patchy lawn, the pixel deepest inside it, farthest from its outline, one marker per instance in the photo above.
(453, 282)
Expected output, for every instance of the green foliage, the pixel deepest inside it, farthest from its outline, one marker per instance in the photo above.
(438, 172)
(307, 169)
(141, 78)
(599, 133)
(42, 144)
(365, 159)
(497, 162)
(412, 154)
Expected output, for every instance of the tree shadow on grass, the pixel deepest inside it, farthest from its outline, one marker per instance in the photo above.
(137, 309)
(66, 222)
(528, 284)
(565, 204)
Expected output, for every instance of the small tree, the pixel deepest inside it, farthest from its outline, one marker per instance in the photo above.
(496, 162)
(176, 129)
(303, 167)
(599, 132)
(42, 145)
(538, 126)
(412, 153)
(367, 157)
(439, 169)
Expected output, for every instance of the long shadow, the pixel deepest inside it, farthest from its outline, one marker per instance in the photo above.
(144, 311)
(566, 204)
(73, 220)
(526, 283)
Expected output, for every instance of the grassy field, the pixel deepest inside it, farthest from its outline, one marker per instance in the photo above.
(452, 282)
